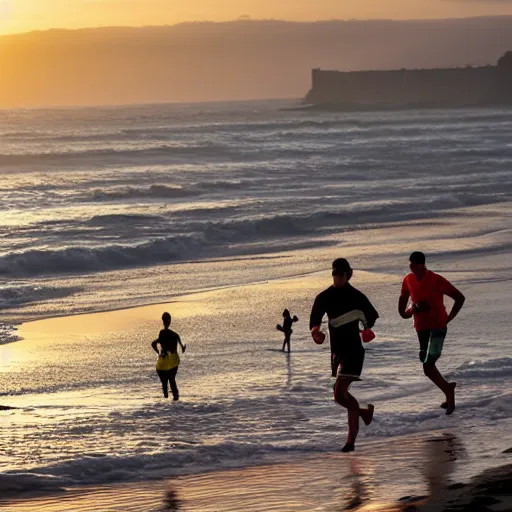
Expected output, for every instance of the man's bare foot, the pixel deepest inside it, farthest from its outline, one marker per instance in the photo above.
(450, 398)
(367, 415)
(349, 447)
(444, 405)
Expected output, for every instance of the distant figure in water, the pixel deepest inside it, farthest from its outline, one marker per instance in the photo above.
(168, 358)
(426, 291)
(286, 328)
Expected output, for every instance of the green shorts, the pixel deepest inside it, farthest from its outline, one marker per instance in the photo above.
(431, 344)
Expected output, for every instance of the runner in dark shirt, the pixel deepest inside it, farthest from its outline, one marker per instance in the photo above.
(345, 307)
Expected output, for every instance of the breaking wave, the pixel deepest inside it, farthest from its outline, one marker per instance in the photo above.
(199, 237)
(14, 296)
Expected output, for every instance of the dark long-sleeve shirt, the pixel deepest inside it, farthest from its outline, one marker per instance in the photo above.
(168, 340)
(345, 308)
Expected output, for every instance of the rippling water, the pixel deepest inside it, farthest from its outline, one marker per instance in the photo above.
(108, 208)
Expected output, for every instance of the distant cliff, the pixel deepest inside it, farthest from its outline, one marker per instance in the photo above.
(235, 60)
(414, 87)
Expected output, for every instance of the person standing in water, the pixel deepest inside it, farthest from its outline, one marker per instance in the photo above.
(286, 328)
(426, 290)
(345, 307)
(168, 358)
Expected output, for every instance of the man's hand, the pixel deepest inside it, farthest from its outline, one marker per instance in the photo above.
(402, 307)
(421, 307)
(318, 335)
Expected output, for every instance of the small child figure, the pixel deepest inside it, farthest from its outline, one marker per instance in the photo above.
(168, 358)
(286, 328)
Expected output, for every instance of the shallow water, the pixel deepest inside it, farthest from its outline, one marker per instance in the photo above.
(289, 193)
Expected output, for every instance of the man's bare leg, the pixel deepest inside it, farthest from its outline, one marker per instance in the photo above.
(448, 388)
(345, 399)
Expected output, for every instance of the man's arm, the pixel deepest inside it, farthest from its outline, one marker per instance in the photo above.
(459, 299)
(315, 320)
(155, 348)
(369, 312)
(317, 313)
(403, 301)
(402, 307)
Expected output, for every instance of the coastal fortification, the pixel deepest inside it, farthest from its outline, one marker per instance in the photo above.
(414, 87)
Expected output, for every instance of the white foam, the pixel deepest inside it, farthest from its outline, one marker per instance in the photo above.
(8, 333)
(13, 296)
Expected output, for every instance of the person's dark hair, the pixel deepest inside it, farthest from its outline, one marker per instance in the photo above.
(166, 319)
(341, 266)
(286, 313)
(417, 258)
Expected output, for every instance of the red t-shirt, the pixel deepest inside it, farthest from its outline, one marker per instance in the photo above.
(431, 289)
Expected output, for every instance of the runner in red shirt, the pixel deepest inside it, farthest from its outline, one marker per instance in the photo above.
(426, 290)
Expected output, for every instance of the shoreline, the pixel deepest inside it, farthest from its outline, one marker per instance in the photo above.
(171, 299)
(312, 483)
(351, 108)
(76, 302)
(17, 321)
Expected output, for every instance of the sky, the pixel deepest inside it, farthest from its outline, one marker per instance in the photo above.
(26, 15)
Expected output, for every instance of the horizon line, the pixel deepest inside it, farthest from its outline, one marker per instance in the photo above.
(253, 20)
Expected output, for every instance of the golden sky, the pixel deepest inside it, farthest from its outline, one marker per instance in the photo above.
(25, 15)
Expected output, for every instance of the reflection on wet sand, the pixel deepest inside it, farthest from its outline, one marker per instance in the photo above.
(360, 485)
(289, 369)
(437, 460)
(361, 480)
(441, 453)
(172, 502)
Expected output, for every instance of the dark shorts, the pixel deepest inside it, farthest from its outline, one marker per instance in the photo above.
(347, 365)
(431, 344)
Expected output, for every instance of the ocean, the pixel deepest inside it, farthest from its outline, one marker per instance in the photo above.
(227, 213)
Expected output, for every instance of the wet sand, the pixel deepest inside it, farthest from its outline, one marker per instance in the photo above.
(417, 472)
